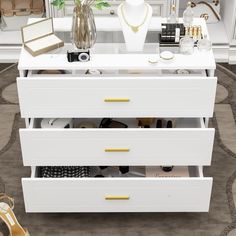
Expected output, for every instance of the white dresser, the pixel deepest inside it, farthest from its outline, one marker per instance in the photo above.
(129, 87)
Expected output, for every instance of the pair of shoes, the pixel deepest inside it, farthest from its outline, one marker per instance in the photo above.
(9, 218)
(160, 122)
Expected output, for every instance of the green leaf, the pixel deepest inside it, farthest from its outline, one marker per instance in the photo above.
(77, 2)
(100, 4)
(60, 4)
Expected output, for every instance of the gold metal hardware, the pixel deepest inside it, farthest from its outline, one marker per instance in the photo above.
(117, 150)
(193, 4)
(205, 16)
(216, 2)
(111, 197)
(112, 12)
(116, 100)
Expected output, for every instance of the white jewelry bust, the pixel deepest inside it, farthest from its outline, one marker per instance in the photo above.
(135, 17)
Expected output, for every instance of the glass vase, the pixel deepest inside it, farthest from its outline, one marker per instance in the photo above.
(84, 32)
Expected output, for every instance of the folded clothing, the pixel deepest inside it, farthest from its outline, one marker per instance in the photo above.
(64, 171)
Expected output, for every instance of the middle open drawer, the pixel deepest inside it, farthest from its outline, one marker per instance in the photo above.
(190, 143)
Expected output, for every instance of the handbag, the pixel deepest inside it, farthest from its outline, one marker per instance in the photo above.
(209, 11)
(64, 171)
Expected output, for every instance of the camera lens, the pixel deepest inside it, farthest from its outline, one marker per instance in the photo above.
(83, 57)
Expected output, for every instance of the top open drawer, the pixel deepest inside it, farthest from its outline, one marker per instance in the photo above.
(117, 97)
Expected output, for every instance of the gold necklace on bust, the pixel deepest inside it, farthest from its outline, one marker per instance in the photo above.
(134, 28)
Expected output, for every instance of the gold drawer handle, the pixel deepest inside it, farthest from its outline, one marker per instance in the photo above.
(111, 197)
(116, 100)
(117, 150)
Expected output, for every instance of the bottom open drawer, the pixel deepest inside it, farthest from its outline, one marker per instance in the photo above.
(139, 194)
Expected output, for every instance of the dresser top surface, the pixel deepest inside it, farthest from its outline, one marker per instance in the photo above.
(57, 61)
(113, 56)
(112, 23)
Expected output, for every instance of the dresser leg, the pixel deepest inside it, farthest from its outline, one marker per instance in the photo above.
(211, 73)
(27, 122)
(206, 122)
(22, 73)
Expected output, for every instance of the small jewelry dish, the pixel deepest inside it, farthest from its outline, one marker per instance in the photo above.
(167, 56)
(153, 60)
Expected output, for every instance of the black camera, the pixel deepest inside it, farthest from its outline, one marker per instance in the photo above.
(81, 56)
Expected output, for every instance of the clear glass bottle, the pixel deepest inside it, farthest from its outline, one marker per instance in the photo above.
(173, 18)
(188, 16)
(204, 44)
(187, 45)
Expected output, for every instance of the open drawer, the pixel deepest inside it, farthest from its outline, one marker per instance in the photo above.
(156, 194)
(116, 97)
(190, 143)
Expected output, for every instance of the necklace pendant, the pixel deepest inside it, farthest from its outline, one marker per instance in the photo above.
(135, 28)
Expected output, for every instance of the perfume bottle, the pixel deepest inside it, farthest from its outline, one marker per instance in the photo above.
(188, 16)
(173, 16)
(204, 44)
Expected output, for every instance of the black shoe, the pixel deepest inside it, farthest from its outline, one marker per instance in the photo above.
(99, 176)
(169, 124)
(103, 167)
(167, 168)
(124, 169)
(159, 124)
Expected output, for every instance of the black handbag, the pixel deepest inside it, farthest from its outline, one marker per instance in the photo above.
(64, 172)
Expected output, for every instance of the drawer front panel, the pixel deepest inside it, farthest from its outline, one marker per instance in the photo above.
(158, 10)
(116, 97)
(116, 146)
(117, 195)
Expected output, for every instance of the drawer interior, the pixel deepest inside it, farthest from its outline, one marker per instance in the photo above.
(117, 73)
(100, 172)
(94, 123)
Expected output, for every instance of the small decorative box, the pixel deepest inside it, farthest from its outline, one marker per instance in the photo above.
(39, 37)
